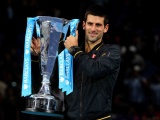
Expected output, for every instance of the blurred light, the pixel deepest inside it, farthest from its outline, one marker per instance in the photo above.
(123, 50)
(14, 84)
(132, 48)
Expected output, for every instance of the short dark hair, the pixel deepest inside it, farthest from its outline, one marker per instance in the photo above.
(97, 10)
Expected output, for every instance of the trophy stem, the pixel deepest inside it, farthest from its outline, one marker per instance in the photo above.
(45, 88)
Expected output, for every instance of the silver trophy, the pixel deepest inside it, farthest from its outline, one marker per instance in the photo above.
(51, 29)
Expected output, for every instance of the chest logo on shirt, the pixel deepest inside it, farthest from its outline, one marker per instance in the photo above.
(94, 55)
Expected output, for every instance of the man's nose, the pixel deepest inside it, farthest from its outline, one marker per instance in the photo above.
(93, 27)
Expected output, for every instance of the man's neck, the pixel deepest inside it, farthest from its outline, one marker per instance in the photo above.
(90, 45)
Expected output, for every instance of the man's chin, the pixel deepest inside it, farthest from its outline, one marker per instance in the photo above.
(92, 40)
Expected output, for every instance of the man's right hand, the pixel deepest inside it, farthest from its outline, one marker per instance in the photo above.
(35, 46)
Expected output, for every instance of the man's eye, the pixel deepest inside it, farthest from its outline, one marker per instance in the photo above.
(90, 24)
(98, 25)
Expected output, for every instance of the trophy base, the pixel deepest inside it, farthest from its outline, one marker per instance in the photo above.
(55, 114)
(42, 103)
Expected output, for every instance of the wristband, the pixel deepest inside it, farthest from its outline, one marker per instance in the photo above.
(73, 49)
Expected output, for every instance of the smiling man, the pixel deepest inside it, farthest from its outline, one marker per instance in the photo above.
(96, 67)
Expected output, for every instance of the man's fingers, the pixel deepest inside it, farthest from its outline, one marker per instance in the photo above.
(76, 34)
(32, 45)
(34, 40)
(31, 50)
(35, 46)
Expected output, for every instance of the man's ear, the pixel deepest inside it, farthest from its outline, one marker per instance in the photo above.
(106, 28)
(83, 25)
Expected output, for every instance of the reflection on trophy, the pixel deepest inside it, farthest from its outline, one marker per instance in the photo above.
(50, 30)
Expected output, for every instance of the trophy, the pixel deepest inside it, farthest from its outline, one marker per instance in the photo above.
(50, 30)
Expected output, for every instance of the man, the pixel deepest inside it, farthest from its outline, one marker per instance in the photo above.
(96, 67)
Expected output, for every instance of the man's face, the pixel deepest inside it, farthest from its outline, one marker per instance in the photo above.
(94, 28)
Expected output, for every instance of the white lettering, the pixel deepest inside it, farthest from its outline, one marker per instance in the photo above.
(26, 71)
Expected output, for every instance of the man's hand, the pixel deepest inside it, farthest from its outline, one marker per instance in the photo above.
(35, 46)
(71, 41)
